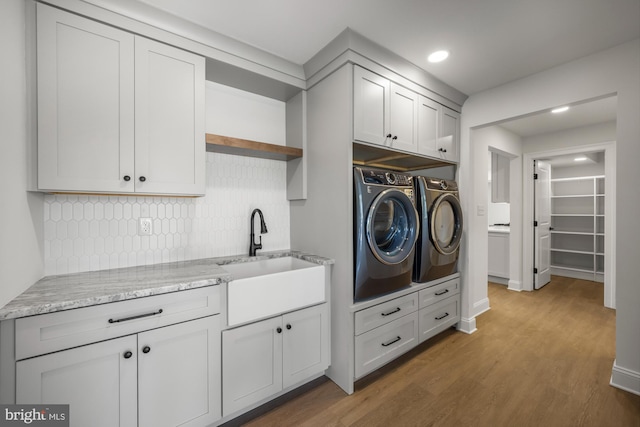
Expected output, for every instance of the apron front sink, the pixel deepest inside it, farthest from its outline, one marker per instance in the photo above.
(268, 287)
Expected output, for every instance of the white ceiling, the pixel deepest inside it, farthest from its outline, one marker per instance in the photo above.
(583, 114)
(492, 42)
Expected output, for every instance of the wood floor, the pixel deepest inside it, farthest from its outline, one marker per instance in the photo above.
(539, 358)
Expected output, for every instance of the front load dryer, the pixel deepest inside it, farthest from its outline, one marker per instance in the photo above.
(385, 232)
(440, 216)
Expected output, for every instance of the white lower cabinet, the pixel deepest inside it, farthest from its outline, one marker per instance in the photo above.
(261, 359)
(393, 327)
(179, 374)
(97, 381)
(163, 369)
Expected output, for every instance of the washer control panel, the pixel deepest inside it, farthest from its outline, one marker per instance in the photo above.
(380, 177)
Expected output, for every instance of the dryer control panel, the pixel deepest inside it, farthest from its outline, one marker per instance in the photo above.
(380, 177)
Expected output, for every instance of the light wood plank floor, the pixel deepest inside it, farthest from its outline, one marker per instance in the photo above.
(539, 358)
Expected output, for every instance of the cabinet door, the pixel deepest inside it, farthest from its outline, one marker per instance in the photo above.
(251, 364)
(370, 107)
(428, 116)
(448, 134)
(85, 104)
(305, 344)
(170, 140)
(403, 119)
(179, 374)
(98, 381)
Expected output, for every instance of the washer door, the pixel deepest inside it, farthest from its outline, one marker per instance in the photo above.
(445, 223)
(392, 226)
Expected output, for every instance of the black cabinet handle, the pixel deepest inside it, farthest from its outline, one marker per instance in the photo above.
(135, 317)
(396, 339)
(128, 354)
(288, 326)
(127, 178)
(279, 330)
(394, 137)
(391, 312)
(146, 349)
(442, 150)
(142, 179)
(388, 135)
(442, 317)
(441, 293)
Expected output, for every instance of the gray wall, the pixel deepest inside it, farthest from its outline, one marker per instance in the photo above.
(613, 71)
(21, 262)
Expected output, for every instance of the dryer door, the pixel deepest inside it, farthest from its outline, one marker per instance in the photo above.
(445, 223)
(392, 226)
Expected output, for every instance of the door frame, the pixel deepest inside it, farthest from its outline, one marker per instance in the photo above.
(609, 149)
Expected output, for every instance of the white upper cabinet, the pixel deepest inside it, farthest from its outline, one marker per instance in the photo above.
(438, 130)
(428, 116)
(370, 107)
(387, 114)
(117, 113)
(85, 104)
(384, 112)
(448, 134)
(170, 142)
(403, 119)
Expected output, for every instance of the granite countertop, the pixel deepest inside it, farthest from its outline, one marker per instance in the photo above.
(64, 292)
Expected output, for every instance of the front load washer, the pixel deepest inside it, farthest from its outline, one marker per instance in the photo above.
(385, 232)
(440, 216)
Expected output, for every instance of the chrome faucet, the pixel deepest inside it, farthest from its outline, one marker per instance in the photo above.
(263, 229)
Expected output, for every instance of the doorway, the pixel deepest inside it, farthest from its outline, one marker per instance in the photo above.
(580, 216)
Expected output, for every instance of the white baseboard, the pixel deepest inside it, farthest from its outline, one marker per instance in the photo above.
(515, 285)
(468, 326)
(481, 306)
(625, 379)
(498, 280)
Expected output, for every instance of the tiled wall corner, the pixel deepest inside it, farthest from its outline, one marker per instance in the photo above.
(87, 233)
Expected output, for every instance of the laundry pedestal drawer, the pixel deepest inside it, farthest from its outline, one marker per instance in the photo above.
(383, 344)
(439, 316)
(380, 314)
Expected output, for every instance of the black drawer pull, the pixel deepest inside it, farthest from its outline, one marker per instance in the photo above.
(442, 317)
(391, 312)
(396, 339)
(442, 293)
(128, 354)
(135, 317)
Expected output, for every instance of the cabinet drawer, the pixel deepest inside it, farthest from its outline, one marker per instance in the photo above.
(439, 292)
(46, 333)
(438, 317)
(380, 314)
(381, 345)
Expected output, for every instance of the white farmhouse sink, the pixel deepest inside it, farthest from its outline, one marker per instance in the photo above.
(268, 287)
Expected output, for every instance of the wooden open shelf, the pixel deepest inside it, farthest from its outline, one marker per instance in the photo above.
(246, 147)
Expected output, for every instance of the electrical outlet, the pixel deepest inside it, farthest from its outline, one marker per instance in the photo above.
(144, 226)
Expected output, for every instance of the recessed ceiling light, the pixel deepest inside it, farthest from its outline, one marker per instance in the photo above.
(580, 159)
(559, 110)
(438, 56)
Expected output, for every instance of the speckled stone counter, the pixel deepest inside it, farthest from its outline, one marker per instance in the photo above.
(57, 293)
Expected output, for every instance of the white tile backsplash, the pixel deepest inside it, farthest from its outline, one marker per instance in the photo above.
(86, 233)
